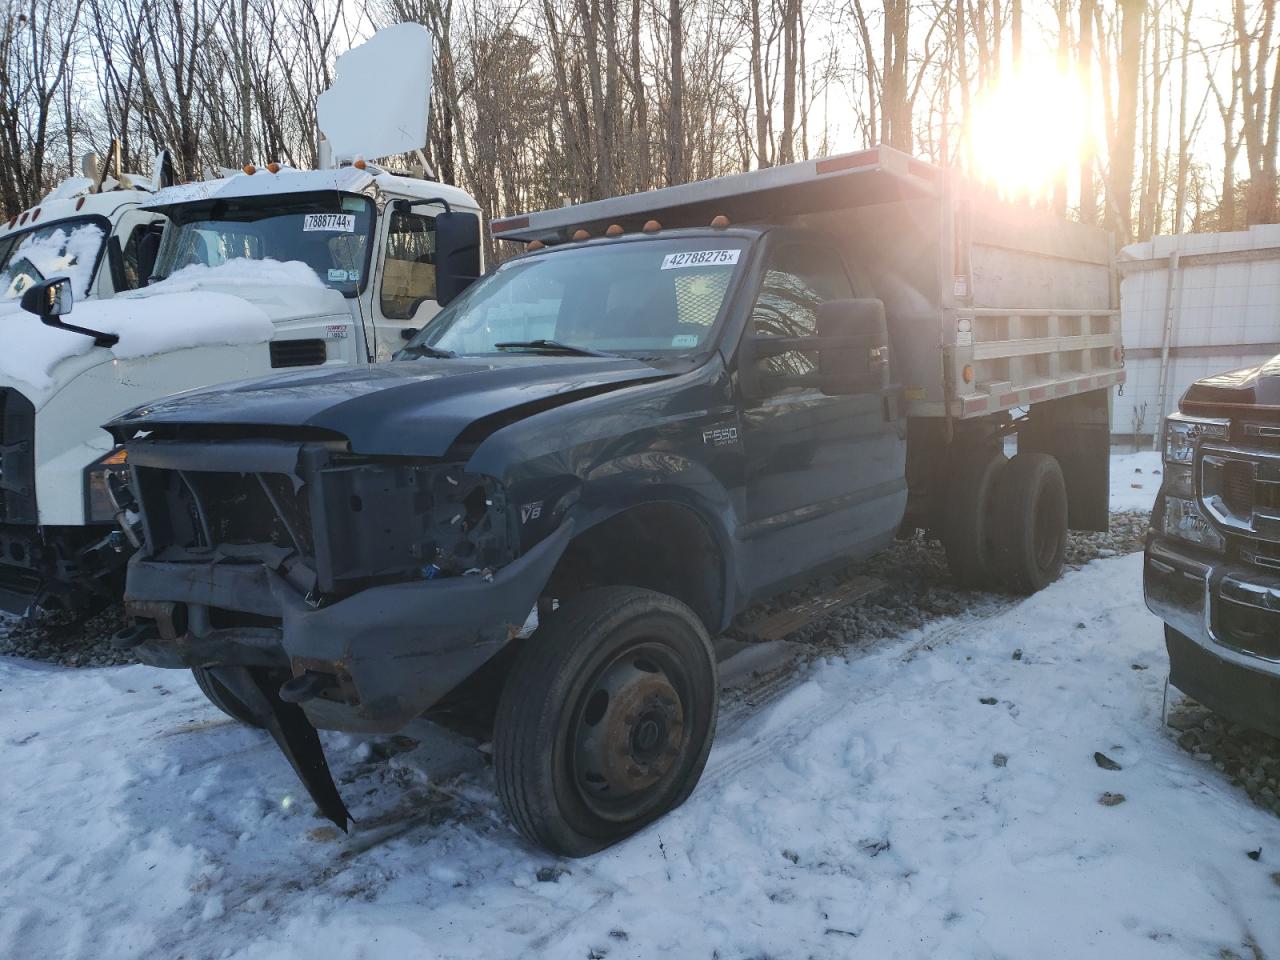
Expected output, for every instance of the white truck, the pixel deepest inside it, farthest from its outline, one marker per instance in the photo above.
(265, 269)
(90, 228)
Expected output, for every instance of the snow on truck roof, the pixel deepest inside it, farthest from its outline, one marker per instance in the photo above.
(876, 175)
(76, 197)
(264, 183)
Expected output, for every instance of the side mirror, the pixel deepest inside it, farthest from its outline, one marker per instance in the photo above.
(853, 347)
(457, 253)
(49, 299)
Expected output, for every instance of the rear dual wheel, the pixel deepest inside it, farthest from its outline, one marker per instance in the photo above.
(606, 719)
(1031, 531)
(1005, 524)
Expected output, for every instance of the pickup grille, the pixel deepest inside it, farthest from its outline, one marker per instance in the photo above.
(1240, 488)
(298, 353)
(1238, 482)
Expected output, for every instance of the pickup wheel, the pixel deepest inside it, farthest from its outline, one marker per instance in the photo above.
(968, 526)
(1031, 523)
(222, 698)
(606, 719)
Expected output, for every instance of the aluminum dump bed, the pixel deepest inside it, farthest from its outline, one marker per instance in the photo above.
(992, 306)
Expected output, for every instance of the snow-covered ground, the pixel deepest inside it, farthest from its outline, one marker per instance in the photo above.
(1135, 479)
(879, 805)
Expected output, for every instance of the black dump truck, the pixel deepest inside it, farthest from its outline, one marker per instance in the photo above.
(1212, 570)
(668, 407)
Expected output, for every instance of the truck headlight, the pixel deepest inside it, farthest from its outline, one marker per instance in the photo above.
(1182, 434)
(1182, 519)
(99, 505)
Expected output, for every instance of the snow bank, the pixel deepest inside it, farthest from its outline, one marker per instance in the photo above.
(179, 312)
(883, 807)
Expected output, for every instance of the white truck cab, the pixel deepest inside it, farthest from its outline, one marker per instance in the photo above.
(92, 230)
(264, 269)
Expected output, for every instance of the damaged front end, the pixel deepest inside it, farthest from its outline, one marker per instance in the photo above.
(321, 589)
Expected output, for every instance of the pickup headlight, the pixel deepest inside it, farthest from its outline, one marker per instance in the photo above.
(1182, 519)
(1182, 434)
(99, 506)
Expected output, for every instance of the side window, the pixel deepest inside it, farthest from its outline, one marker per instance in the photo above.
(129, 255)
(798, 279)
(409, 273)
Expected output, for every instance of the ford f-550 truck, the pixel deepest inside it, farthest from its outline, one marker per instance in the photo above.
(668, 407)
(1212, 569)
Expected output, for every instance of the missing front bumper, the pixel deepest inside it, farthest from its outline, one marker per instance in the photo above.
(393, 650)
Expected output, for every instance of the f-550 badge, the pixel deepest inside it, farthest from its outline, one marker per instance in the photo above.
(720, 436)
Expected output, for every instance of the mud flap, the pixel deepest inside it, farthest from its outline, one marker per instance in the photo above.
(293, 733)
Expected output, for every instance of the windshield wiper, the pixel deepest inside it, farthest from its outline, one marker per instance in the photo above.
(426, 350)
(552, 346)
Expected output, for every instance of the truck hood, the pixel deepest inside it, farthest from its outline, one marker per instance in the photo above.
(1231, 394)
(287, 297)
(237, 303)
(417, 408)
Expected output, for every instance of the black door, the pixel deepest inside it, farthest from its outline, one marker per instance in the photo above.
(825, 475)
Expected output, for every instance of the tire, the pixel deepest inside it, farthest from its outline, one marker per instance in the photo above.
(604, 683)
(222, 698)
(1031, 523)
(968, 533)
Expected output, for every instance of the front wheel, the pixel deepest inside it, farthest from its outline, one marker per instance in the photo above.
(606, 719)
(222, 698)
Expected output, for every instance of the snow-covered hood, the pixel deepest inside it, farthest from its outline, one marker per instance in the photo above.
(235, 303)
(284, 291)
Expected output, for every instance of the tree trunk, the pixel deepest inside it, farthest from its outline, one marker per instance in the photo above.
(1120, 187)
(675, 155)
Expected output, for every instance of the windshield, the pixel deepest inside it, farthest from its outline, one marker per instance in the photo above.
(654, 298)
(64, 248)
(329, 232)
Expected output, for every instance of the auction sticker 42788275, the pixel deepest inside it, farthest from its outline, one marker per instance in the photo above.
(700, 258)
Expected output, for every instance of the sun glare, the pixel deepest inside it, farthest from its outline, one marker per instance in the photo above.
(1028, 131)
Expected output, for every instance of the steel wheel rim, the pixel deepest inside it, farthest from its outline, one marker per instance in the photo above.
(629, 734)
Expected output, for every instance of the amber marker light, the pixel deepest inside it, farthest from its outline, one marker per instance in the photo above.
(615, 230)
(720, 221)
(250, 169)
(534, 245)
(652, 226)
(968, 374)
(273, 167)
(581, 235)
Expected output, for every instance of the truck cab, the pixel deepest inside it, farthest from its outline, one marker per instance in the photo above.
(93, 232)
